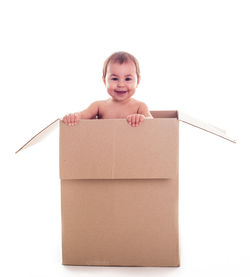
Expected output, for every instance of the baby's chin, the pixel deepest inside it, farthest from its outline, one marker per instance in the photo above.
(120, 94)
(121, 99)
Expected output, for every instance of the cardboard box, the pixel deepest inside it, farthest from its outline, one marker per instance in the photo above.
(119, 190)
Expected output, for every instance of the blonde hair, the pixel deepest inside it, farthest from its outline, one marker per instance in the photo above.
(121, 57)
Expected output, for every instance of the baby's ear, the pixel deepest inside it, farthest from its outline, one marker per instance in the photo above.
(104, 80)
(138, 81)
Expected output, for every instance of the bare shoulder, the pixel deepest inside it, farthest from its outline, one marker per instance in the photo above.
(142, 106)
(91, 111)
(136, 103)
(98, 102)
(143, 109)
(96, 105)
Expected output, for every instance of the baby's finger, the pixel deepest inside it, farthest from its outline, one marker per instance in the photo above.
(67, 119)
(129, 119)
(74, 119)
(141, 118)
(137, 120)
(77, 118)
(133, 120)
(71, 119)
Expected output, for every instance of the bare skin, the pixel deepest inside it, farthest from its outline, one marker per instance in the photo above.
(121, 82)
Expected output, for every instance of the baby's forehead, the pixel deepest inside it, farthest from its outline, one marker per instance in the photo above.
(122, 69)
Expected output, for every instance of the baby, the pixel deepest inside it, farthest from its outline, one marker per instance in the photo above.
(121, 76)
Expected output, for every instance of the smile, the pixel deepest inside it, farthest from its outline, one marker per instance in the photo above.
(120, 91)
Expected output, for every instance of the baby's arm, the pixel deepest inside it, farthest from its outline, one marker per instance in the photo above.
(136, 119)
(90, 113)
(143, 109)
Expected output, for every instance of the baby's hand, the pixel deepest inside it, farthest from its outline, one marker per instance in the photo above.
(135, 119)
(71, 119)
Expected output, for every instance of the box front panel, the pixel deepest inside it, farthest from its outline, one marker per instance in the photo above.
(112, 149)
(120, 222)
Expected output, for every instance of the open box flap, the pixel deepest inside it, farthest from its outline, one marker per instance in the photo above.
(156, 114)
(41, 135)
(204, 126)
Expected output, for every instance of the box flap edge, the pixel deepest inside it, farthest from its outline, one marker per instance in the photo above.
(40, 135)
(204, 126)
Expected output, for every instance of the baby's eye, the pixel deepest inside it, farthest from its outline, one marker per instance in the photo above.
(114, 79)
(128, 79)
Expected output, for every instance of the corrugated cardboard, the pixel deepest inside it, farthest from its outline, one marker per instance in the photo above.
(119, 190)
(120, 193)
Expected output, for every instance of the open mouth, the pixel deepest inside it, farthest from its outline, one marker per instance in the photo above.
(120, 91)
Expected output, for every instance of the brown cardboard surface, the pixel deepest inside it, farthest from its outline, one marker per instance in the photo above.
(112, 149)
(120, 222)
(119, 190)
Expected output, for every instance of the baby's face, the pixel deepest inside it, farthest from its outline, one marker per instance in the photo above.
(121, 81)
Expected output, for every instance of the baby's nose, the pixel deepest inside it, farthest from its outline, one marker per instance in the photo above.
(120, 83)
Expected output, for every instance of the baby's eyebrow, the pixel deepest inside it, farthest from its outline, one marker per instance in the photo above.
(124, 75)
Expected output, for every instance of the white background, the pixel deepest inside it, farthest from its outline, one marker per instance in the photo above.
(194, 57)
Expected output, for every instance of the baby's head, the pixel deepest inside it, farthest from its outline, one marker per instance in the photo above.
(121, 75)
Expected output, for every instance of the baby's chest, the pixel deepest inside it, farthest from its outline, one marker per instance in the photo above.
(117, 112)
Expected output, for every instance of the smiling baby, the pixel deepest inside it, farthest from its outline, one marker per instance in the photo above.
(121, 76)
